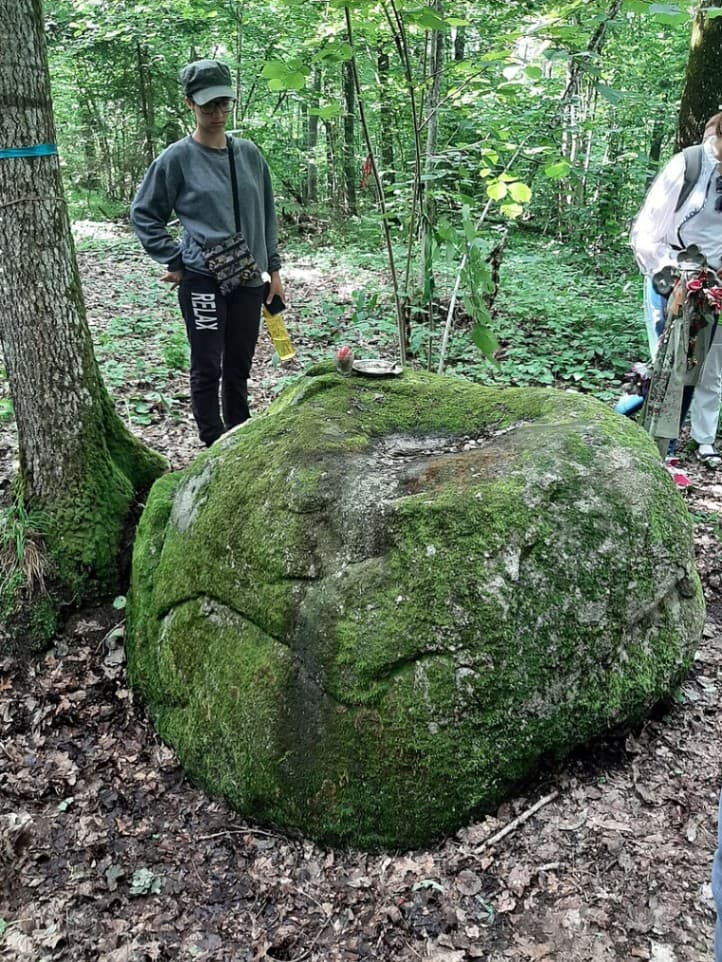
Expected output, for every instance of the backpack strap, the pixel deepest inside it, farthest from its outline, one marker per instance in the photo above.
(692, 168)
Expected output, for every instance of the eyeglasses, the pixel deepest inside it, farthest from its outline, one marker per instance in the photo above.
(222, 106)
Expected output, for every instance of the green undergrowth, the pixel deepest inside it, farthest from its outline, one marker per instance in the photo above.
(562, 317)
(26, 599)
(140, 343)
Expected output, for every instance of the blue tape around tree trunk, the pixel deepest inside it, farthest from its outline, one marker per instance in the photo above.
(38, 150)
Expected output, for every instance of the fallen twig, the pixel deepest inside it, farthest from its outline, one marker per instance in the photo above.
(242, 831)
(519, 820)
(109, 634)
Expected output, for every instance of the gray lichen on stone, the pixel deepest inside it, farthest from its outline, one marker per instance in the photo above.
(190, 497)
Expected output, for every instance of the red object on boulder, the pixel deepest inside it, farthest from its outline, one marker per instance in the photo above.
(344, 360)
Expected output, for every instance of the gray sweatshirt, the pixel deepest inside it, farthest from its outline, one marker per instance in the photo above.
(195, 181)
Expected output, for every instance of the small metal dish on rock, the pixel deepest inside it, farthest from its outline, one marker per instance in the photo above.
(376, 367)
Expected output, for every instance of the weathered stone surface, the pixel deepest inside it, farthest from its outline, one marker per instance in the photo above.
(368, 613)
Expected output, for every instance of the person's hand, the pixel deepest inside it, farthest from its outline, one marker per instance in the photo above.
(275, 287)
(172, 277)
(674, 305)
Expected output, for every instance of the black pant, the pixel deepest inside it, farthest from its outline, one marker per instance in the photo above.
(222, 332)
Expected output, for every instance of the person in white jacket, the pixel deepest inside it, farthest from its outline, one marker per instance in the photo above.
(660, 231)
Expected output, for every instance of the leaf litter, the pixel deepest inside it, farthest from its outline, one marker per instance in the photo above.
(109, 853)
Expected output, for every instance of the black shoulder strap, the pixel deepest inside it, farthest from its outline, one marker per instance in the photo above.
(234, 183)
(692, 168)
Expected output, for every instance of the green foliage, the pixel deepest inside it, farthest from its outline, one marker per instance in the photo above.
(6, 404)
(141, 349)
(561, 319)
(25, 601)
(176, 353)
(548, 121)
(504, 82)
(145, 882)
(18, 527)
(93, 205)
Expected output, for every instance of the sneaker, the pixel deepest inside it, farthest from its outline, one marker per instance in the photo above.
(709, 457)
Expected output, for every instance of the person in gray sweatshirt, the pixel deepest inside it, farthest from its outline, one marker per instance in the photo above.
(193, 178)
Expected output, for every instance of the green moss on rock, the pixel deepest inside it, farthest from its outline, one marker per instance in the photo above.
(368, 613)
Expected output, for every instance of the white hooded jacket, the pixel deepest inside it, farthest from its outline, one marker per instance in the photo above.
(660, 231)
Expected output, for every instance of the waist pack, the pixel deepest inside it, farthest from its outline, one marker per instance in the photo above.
(231, 263)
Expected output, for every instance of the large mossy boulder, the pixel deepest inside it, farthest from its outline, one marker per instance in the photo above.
(368, 613)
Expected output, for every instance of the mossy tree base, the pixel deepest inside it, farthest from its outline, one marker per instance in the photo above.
(369, 613)
(76, 536)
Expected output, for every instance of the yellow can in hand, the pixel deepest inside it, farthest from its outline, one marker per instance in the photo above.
(279, 335)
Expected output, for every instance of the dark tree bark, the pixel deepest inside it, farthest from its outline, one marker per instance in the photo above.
(145, 91)
(460, 44)
(350, 167)
(311, 186)
(656, 142)
(387, 115)
(79, 466)
(702, 92)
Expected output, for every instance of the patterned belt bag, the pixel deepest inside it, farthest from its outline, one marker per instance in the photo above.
(231, 263)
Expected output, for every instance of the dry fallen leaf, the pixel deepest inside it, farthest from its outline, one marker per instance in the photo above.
(518, 879)
(468, 883)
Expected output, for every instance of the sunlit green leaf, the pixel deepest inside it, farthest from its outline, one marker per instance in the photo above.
(668, 13)
(497, 190)
(273, 69)
(428, 883)
(520, 192)
(426, 17)
(326, 113)
(512, 211)
(334, 53)
(557, 170)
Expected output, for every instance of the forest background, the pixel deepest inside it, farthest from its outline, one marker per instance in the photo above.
(504, 147)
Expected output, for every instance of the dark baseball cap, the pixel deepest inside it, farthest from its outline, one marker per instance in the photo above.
(205, 80)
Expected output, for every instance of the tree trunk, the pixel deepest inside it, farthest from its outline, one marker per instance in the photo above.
(333, 189)
(145, 91)
(659, 131)
(311, 192)
(387, 116)
(350, 168)
(79, 466)
(428, 210)
(702, 87)
(460, 44)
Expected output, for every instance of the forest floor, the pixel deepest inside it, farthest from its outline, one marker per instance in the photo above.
(108, 852)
